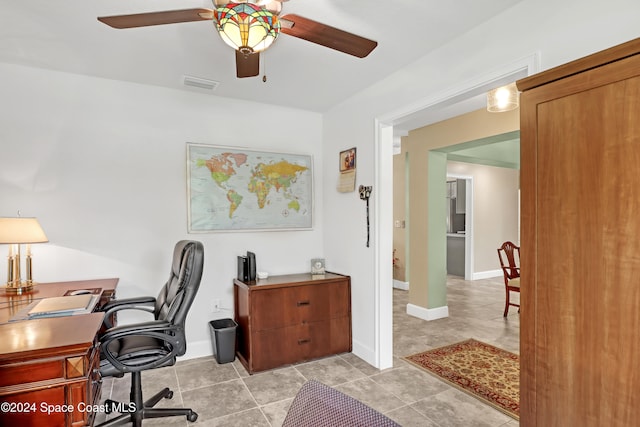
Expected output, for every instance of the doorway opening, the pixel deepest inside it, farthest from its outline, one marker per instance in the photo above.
(468, 97)
(459, 223)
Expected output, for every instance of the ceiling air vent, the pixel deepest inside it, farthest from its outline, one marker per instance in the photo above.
(200, 83)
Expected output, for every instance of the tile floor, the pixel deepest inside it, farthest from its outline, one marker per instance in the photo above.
(225, 395)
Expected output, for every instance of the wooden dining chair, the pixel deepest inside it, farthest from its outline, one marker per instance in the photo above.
(510, 271)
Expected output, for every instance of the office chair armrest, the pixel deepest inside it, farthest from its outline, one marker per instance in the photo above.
(124, 303)
(142, 328)
(136, 303)
(158, 329)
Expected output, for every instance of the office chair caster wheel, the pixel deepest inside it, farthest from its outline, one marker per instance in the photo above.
(169, 395)
(192, 417)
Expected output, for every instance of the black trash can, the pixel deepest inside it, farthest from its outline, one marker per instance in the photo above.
(223, 338)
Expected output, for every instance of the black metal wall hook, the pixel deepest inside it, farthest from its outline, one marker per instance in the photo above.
(365, 193)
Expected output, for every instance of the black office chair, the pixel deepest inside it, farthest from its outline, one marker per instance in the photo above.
(137, 347)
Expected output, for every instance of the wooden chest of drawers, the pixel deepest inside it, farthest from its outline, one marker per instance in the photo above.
(292, 318)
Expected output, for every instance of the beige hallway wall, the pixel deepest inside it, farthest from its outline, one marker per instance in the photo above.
(468, 127)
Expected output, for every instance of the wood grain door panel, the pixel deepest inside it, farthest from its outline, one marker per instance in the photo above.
(581, 255)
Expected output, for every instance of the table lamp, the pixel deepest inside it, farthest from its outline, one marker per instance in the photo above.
(15, 232)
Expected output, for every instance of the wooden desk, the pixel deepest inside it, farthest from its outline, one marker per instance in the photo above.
(49, 368)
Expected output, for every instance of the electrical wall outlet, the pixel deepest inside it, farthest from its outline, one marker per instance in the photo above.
(216, 305)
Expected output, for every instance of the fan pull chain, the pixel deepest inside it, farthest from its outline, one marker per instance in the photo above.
(264, 67)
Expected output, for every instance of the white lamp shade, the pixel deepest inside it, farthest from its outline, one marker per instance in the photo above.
(21, 230)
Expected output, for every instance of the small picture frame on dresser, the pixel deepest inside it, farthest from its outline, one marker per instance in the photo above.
(317, 266)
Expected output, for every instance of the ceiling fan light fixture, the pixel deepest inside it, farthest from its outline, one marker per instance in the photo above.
(246, 27)
(505, 98)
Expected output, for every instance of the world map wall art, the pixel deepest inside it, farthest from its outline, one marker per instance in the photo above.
(238, 189)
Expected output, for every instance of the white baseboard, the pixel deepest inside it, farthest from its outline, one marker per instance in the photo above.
(486, 274)
(363, 352)
(427, 313)
(198, 349)
(400, 285)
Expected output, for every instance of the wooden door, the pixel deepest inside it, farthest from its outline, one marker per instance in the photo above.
(580, 318)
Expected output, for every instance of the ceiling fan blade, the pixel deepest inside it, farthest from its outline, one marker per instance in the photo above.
(247, 65)
(157, 18)
(327, 36)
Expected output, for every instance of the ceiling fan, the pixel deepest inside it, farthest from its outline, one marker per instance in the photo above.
(251, 26)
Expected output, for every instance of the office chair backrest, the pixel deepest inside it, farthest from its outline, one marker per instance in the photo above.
(177, 295)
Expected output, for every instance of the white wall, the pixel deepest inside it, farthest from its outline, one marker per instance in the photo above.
(345, 216)
(102, 165)
(558, 31)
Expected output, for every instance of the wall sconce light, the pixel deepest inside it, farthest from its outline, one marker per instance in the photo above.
(15, 232)
(502, 99)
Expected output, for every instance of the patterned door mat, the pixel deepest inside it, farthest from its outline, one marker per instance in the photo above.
(482, 370)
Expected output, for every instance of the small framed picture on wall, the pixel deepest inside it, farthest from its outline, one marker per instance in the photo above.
(347, 166)
(348, 159)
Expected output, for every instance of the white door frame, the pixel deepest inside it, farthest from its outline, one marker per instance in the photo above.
(383, 152)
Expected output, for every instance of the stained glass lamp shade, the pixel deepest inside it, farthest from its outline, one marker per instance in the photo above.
(246, 27)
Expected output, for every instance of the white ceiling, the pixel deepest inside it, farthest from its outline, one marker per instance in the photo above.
(65, 35)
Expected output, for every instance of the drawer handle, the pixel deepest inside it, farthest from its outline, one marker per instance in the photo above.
(304, 341)
(301, 303)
